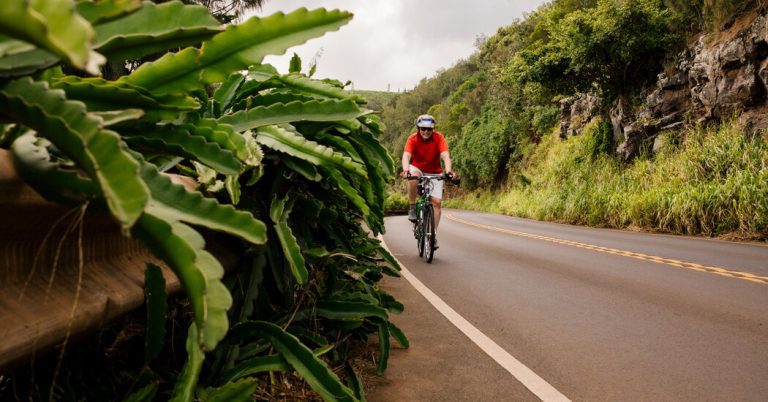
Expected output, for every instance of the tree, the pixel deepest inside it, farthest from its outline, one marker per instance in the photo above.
(228, 10)
(616, 46)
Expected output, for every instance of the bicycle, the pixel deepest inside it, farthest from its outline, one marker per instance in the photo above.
(424, 227)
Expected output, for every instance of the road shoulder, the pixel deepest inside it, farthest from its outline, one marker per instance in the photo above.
(441, 364)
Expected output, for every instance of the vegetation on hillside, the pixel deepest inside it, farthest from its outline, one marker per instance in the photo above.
(708, 181)
(499, 107)
(376, 100)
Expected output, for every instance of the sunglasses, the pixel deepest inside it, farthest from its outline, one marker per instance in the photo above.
(425, 129)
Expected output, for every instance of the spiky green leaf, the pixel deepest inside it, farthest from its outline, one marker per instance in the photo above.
(354, 381)
(348, 190)
(343, 310)
(293, 143)
(340, 143)
(235, 49)
(384, 347)
(173, 202)
(105, 10)
(277, 209)
(53, 25)
(384, 253)
(399, 335)
(184, 390)
(179, 141)
(104, 95)
(244, 101)
(183, 249)
(261, 72)
(292, 252)
(304, 84)
(227, 91)
(327, 110)
(113, 117)
(374, 151)
(256, 365)
(302, 167)
(312, 336)
(54, 181)
(242, 145)
(302, 359)
(80, 136)
(11, 46)
(26, 62)
(154, 291)
(238, 391)
(155, 28)
(295, 64)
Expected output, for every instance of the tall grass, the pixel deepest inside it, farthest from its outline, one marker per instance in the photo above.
(706, 181)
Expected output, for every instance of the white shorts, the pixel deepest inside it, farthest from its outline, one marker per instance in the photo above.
(437, 185)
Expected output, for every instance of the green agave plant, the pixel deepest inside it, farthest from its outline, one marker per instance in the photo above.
(287, 164)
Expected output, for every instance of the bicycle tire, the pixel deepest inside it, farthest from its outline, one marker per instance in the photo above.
(419, 227)
(429, 233)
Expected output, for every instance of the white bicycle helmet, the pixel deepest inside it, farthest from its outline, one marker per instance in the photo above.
(425, 121)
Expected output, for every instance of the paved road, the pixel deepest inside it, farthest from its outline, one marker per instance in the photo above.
(597, 314)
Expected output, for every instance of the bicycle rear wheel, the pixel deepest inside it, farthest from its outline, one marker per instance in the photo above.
(429, 233)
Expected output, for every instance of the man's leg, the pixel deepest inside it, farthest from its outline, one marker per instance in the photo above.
(411, 188)
(437, 209)
(437, 196)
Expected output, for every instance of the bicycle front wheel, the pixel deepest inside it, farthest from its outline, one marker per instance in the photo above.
(429, 233)
(419, 228)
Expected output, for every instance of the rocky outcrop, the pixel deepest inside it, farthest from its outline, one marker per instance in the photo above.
(723, 74)
(728, 70)
(575, 112)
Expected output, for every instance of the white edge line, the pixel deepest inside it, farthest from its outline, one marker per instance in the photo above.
(526, 376)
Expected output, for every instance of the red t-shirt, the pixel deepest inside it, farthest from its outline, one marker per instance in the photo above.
(426, 154)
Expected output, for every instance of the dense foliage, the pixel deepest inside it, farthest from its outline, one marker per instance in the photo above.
(287, 168)
(497, 104)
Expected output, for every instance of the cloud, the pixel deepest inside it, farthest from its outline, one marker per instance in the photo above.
(396, 43)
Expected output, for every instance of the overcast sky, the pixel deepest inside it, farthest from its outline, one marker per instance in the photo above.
(396, 43)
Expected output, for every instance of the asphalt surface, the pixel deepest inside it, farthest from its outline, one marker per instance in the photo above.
(598, 314)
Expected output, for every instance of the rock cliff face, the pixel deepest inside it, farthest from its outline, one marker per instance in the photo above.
(722, 74)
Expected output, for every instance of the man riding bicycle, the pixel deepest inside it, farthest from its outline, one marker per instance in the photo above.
(422, 154)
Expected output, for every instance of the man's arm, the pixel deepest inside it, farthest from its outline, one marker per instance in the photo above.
(446, 156)
(406, 163)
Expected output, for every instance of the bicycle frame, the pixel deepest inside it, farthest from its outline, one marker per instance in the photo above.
(424, 227)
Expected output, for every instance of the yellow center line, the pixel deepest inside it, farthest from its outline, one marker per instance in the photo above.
(631, 254)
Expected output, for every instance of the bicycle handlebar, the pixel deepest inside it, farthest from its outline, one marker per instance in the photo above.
(429, 176)
(443, 176)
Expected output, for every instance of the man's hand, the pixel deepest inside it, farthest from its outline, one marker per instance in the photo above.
(454, 177)
(404, 174)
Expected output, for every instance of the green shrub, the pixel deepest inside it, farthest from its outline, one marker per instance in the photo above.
(483, 149)
(396, 202)
(288, 168)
